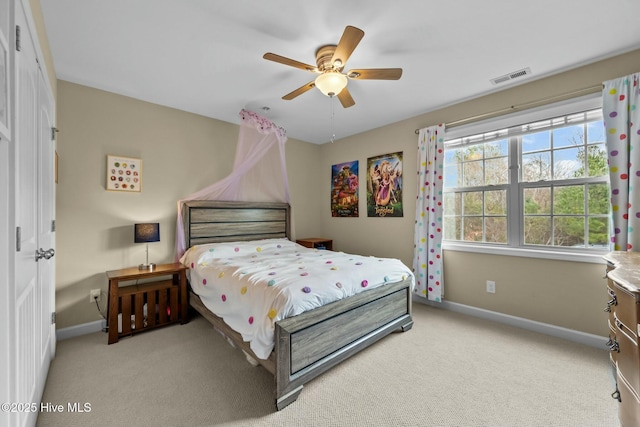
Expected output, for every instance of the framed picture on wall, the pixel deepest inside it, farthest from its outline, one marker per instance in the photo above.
(344, 189)
(384, 185)
(4, 86)
(124, 174)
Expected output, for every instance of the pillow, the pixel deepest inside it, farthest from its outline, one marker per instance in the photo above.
(199, 254)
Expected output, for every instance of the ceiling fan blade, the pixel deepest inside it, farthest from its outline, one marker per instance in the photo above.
(299, 91)
(375, 74)
(291, 62)
(345, 98)
(348, 42)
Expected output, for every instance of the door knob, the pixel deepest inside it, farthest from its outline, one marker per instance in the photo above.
(41, 253)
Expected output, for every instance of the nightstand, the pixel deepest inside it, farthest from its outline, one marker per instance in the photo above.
(316, 242)
(139, 307)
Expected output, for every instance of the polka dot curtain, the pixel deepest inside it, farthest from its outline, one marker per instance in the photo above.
(622, 123)
(427, 258)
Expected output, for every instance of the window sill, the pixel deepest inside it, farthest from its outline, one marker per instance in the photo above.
(594, 257)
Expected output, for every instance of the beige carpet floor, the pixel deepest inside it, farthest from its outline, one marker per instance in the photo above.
(449, 370)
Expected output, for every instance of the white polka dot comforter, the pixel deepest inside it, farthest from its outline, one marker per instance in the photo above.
(252, 285)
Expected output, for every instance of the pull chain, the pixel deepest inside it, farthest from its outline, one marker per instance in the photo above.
(333, 133)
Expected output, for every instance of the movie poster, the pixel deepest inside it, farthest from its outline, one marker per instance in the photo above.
(344, 189)
(384, 185)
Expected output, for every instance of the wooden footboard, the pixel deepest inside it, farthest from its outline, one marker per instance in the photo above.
(311, 343)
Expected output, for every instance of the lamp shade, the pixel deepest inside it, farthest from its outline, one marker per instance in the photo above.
(147, 232)
(331, 83)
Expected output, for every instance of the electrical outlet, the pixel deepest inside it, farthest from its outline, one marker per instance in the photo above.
(94, 295)
(491, 286)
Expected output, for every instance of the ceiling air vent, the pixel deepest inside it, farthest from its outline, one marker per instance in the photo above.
(511, 76)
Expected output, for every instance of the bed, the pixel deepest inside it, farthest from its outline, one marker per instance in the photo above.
(306, 344)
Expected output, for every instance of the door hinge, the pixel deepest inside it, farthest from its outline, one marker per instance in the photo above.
(53, 133)
(18, 233)
(53, 226)
(53, 317)
(18, 47)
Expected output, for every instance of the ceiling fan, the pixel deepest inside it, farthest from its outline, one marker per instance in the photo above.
(330, 60)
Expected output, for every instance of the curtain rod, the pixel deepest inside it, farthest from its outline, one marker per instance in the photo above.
(585, 91)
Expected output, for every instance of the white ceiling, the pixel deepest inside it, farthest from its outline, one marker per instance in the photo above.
(205, 56)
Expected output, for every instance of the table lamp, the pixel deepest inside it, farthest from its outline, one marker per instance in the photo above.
(145, 233)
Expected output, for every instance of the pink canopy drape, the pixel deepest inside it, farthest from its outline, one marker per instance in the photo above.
(259, 170)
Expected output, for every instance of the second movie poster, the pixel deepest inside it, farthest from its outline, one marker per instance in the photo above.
(384, 185)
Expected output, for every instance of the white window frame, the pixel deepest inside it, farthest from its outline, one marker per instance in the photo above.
(588, 102)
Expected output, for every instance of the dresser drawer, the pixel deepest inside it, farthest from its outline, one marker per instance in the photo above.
(629, 410)
(626, 308)
(628, 359)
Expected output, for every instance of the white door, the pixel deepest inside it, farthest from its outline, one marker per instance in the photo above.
(46, 221)
(26, 268)
(6, 212)
(34, 206)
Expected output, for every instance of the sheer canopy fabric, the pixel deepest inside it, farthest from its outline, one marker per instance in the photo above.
(622, 119)
(427, 257)
(259, 170)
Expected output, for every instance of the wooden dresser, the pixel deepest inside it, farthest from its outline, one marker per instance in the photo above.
(623, 287)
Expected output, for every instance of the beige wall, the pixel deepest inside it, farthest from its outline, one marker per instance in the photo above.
(181, 153)
(566, 294)
(562, 293)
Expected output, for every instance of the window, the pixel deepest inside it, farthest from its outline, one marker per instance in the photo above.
(538, 185)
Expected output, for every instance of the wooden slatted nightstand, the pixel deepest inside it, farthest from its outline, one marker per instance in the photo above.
(139, 307)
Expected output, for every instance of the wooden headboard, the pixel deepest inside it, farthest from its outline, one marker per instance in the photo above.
(209, 221)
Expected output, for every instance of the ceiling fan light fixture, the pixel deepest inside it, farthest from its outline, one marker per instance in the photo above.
(331, 83)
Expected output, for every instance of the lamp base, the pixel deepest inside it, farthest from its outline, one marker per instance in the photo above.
(150, 266)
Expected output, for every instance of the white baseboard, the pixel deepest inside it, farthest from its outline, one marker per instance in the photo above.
(520, 322)
(78, 330)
